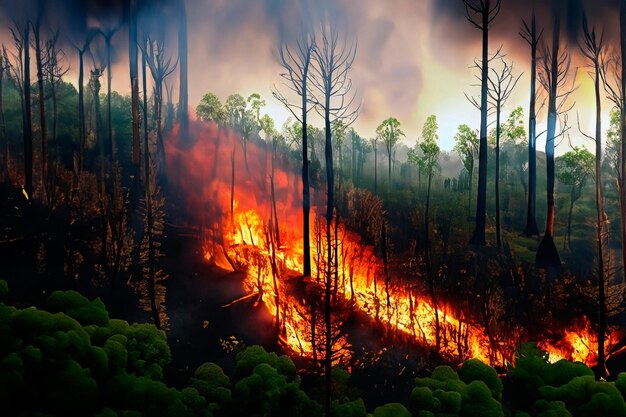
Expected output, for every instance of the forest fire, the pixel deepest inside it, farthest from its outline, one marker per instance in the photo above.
(242, 235)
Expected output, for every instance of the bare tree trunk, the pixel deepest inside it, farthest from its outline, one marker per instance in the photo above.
(429, 272)
(42, 107)
(498, 236)
(600, 235)
(28, 126)
(3, 133)
(109, 143)
(330, 183)
(547, 254)
(622, 26)
(478, 236)
(81, 110)
(183, 95)
(531, 228)
(149, 215)
(134, 86)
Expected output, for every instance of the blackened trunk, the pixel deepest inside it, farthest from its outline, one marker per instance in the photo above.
(306, 192)
(622, 30)
(498, 237)
(600, 223)
(27, 120)
(81, 110)
(547, 254)
(42, 109)
(531, 228)
(134, 86)
(149, 215)
(429, 271)
(478, 236)
(330, 184)
(109, 143)
(3, 133)
(183, 95)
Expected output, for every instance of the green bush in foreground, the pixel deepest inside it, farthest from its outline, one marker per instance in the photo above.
(73, 360)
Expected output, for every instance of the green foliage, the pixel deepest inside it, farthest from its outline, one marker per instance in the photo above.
(270, 387)
(475, 370)
(211, 383)
(389, 133)
(354, 408)
(211, 109)
(466, 145)
(391, 410)
(445, 394)
(78, 307)
(74, 361)
(575, 166)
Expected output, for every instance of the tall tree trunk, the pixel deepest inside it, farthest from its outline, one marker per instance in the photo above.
(547, 254)
(306, 192)
(3, 132)
(183, 95)
(42, 108)
(81, 110)
(149, 215)
(600, 236)
(134, 86)
(429, 272)
(622, 26)
(531, 228)
(27, 120)
(330, 183)
(109, 143)
(498, 236)
(478, 236)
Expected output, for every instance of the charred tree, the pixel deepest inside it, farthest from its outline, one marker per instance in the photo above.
(502, 82)
(134, 85)
(481, 13)
(82, 128)
(24, 38)
(160, 68)
(43, 126)
(54, 72)
(553, 78)
(530, 35)
(333, 60)
(108, 36)
(5, 68)
(183, 95)
(296, 63)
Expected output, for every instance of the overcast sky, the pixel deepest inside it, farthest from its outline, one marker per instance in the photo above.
(413, 56)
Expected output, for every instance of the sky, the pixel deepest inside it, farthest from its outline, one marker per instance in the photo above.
(413, 57)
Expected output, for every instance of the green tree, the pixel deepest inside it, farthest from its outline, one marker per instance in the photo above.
(255, 102)
(211, 109)
(466, 145)
(389, 133)
(574, 167)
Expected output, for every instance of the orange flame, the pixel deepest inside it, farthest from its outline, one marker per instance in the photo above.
(245, 239)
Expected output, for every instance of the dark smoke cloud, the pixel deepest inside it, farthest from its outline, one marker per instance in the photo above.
(506, 26)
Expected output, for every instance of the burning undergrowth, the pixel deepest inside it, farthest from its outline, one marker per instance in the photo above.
(246, 199)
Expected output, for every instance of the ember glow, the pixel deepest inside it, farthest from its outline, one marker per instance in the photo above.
(242, 236)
